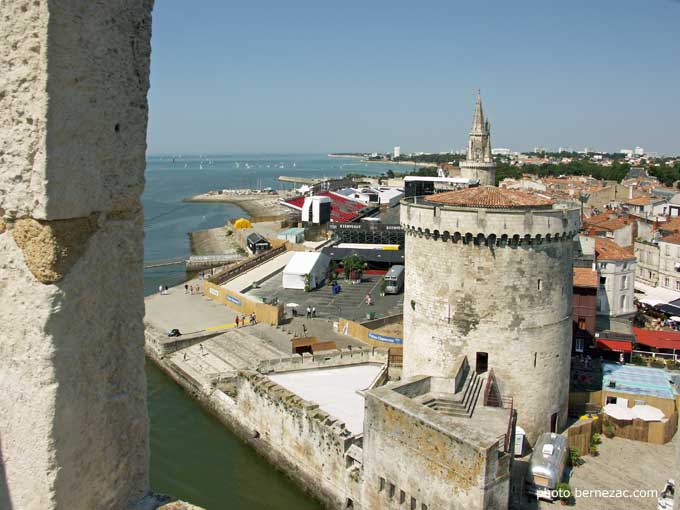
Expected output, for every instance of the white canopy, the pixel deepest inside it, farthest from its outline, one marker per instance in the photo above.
(652, 302)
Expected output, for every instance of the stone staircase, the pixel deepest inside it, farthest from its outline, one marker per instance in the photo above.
(461, 404)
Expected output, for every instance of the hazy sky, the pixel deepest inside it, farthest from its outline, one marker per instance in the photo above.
(316, 76)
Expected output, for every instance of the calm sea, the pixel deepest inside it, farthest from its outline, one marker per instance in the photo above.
(193, 456)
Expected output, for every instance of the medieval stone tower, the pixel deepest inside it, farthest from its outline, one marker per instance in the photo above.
(479, 163)
(489, 276)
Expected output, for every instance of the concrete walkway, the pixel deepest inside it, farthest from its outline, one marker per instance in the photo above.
(186, 312)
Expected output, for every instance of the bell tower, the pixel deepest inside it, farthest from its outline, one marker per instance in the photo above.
(479, 163)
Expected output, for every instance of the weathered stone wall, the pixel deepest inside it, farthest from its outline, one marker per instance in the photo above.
(312, 442)
(74, 77)
(512, 301)
(411, 462)
(485, 172)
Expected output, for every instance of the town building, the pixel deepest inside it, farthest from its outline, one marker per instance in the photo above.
(620, 228)
(586, 282)
(669, 262)
(489, 278)
(646, 206)
(397, 152)
(616, 267)
(647, 264)
(479, 163)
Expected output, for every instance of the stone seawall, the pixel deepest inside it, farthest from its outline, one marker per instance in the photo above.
(293, 434)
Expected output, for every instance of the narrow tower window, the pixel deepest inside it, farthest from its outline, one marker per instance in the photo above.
(540, 284)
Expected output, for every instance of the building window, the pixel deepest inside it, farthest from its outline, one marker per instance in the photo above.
(382, 484)
(624, 301)
(624, 282)
(578, 344)
(413, 503)
(668, 250)
(650, 274)
(677, 284)
(390, 493)
(603, 280)
(581, 323)
(666, 282)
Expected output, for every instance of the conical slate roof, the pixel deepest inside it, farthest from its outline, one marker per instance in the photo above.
(490, 197)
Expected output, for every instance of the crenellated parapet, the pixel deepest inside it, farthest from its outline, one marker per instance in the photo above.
(326, 359)
(294, 405)
(489, 227)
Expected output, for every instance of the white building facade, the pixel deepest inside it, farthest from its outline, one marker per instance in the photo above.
(669, 262)
(616, 268)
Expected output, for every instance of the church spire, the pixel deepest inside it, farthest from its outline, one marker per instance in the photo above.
(478, 120)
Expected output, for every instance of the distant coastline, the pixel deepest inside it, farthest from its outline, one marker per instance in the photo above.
(407, 163)
(347, 155)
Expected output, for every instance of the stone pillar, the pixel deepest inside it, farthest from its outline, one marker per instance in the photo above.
(74, 76)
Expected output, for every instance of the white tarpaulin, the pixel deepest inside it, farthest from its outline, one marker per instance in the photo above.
(618, 412)
(640, 412)
(647, 413)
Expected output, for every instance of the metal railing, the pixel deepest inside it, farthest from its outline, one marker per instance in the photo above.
(234, 271)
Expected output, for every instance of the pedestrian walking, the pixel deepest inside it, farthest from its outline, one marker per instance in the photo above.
(314, 311)
(160, 290)
(243, 319)
(304, 330)
(309, 312)
(237, 321)
(186, 289)
(166, 289)
(200, 346)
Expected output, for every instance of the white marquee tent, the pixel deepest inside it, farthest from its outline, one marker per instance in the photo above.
(312, 263)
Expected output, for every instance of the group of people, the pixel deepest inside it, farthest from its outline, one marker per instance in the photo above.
(194, 289)
(311, 311)
(163, 290)
(241, 321)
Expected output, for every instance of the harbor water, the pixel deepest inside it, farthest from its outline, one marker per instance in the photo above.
(193, 456)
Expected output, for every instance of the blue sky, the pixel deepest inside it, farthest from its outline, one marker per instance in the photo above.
(314, 76)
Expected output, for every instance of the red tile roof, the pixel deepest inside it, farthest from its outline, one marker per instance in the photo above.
(489, 197)
(606, 249)
(673, 238)
(673, 224)
(657, 339)
(585, 277)
(639, 201)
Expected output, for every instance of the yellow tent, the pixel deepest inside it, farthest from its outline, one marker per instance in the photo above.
(242, 223)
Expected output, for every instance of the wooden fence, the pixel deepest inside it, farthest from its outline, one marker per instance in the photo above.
(581, 433)
(268, 314)
(367, 335)
(657, 432)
